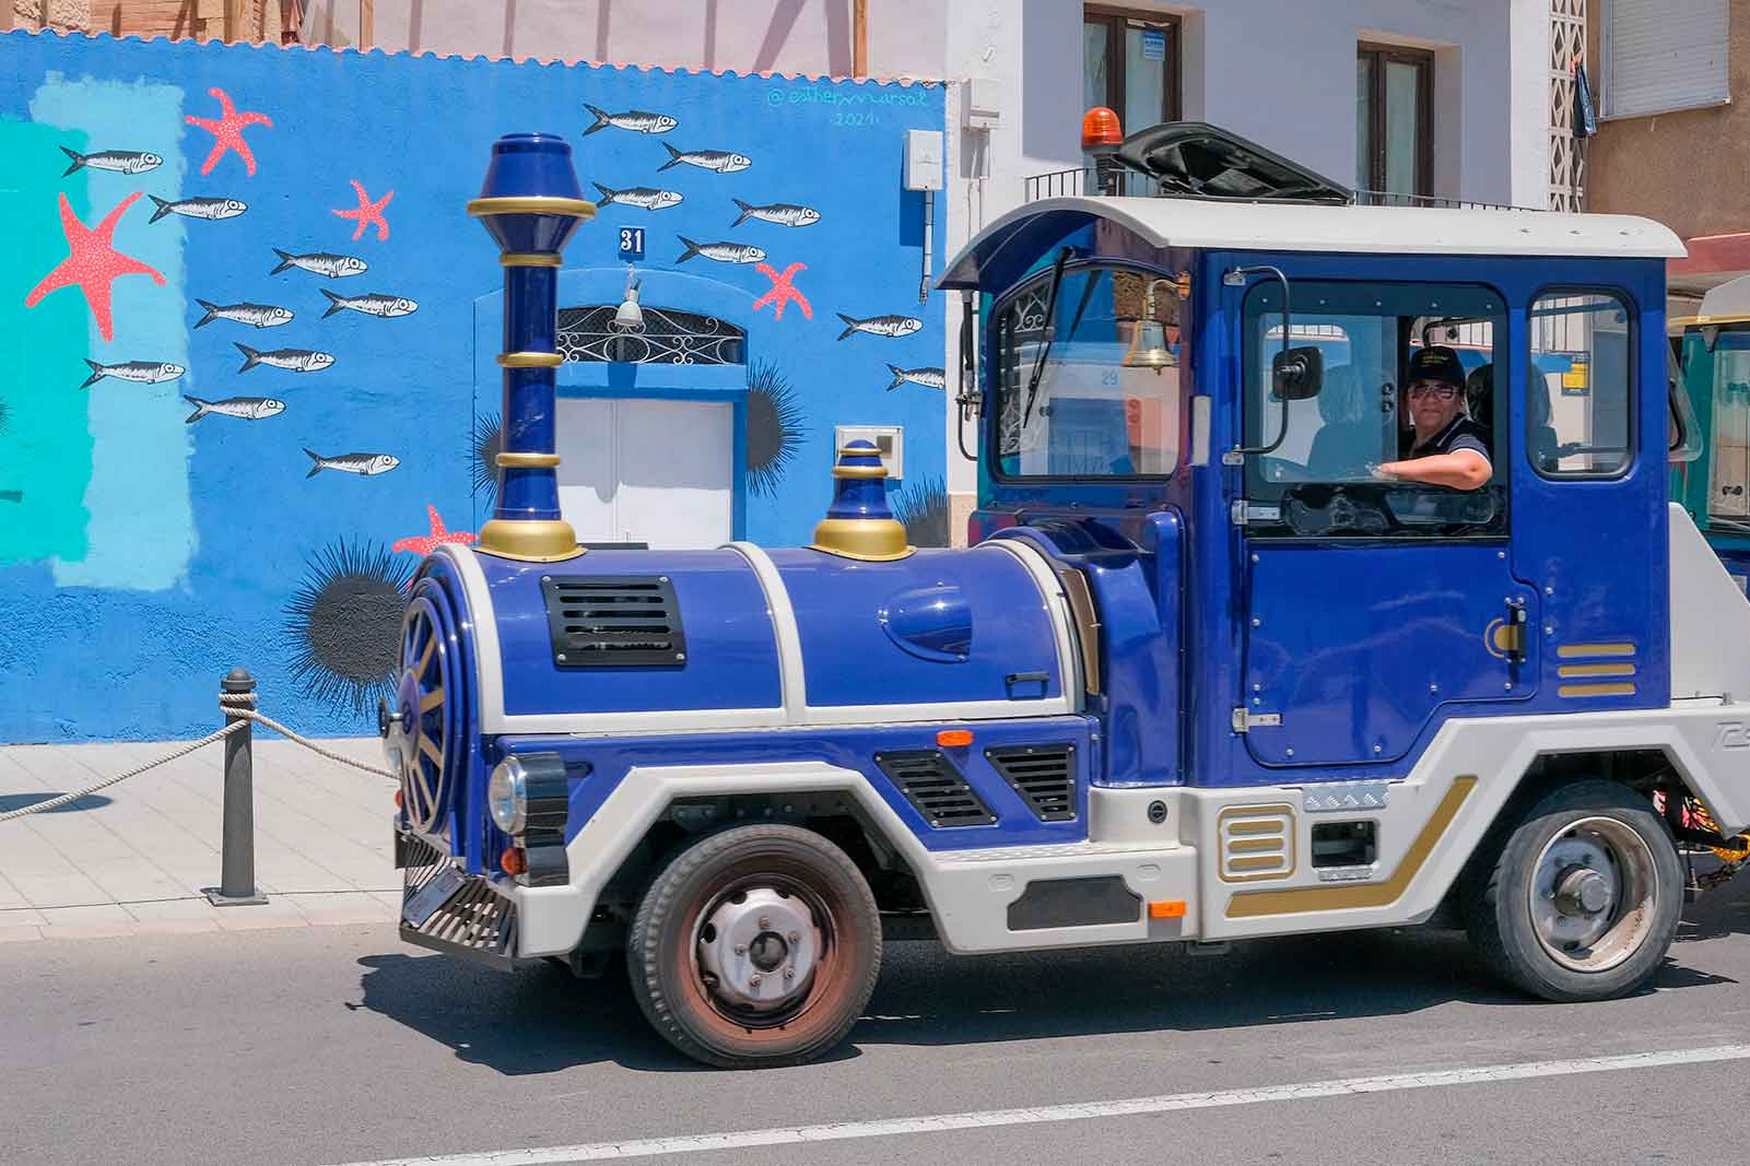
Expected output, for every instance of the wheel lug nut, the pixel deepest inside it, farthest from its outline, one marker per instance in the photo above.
(753, 981)
(765, 923)
(741, 949)
(789, 973)
(795, 937)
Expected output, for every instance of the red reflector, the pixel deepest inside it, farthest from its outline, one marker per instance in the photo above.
(514, 861)
(397, 799)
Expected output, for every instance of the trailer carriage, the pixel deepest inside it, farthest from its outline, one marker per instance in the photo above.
(1201, 676)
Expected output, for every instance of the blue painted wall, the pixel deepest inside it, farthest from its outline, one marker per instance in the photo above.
(141, 554)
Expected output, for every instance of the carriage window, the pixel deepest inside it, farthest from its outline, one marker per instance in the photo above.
(1097, 396)
(1728, 359)
(1579, 414)
(1321, 478)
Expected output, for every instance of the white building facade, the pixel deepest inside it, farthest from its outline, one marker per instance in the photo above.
(1442, 99)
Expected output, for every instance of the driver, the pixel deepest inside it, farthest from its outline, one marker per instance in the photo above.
(1449, 448)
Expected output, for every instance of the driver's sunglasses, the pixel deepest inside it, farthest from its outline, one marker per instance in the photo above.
(1439, 390)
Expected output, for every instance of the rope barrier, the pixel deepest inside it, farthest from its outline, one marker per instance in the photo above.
(240, 708)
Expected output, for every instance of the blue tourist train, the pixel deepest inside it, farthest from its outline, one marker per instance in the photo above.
(1323, 577)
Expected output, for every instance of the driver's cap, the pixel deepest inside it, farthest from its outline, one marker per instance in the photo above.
(1437, 363)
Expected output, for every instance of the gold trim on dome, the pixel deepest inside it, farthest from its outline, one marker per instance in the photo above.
(530, 360)
(531, 540)
(873, 540)
(532, 204)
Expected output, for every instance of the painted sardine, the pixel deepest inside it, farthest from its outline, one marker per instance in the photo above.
(880, 325)
(374, 304)
(366, 464)
(721, 252)
(323, 263)
(290, 359)
(636, 120)
(722, 161)
(141, 372)
(255, 315)
(198, 208)
(929, 378)
(785, 214)
(116, 161)
(242, 408)
(647, 198)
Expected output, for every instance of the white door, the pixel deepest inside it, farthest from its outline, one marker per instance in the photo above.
(650, 471)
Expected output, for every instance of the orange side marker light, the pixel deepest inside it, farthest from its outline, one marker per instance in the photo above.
(514, 861)
(1167, 909)
(954, 738)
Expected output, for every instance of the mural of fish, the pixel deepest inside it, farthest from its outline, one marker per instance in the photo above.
(290, 359)
(374, 304)
(322, 263)
(722, 161)
(364, 464)
(721, 252)
(784, 214)
(255, 315)
(252, 314)
(116, 161)
(242, 408)
(198, 208)
(929, 378)
(647, 198)
(633, 119)
(889, 326)
(141, 372)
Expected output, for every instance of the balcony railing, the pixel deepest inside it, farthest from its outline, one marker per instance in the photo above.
(1123, 182)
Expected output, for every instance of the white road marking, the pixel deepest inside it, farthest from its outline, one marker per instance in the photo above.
(1131, 1107)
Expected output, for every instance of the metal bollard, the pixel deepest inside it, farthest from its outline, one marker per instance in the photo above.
(237, 859)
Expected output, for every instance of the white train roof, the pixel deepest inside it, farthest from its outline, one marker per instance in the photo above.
(1264, 226)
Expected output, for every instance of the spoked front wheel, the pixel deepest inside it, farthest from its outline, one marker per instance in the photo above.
(756, 947)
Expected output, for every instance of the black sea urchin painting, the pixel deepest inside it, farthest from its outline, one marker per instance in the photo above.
(343, 624)
(483, 449)
(923, 509)
(774, 428)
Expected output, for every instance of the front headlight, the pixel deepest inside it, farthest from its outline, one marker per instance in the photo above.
(507, 796)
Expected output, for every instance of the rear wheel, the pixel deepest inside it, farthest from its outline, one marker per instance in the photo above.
(756, 947)
(1582, 899)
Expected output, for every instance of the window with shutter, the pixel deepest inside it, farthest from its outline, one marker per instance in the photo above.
(1661, 57)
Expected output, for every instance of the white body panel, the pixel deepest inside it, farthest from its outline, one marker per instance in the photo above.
(1710, 619)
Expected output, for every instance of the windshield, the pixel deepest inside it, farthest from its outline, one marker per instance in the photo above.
(1096, 396)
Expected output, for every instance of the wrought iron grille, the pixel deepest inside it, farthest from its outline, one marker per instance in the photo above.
(587, 335)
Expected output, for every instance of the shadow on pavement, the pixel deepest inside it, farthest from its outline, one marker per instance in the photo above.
(540, 1020)
(1718, 913)
(10, 802)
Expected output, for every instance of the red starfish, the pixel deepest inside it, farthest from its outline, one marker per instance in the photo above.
(783, 291)
(368, 214)
(425, 544)
(228, 130)
(92, 262)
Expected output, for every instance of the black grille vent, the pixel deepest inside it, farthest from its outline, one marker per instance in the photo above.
(607, 621)
(1044, 776)
(930, 782)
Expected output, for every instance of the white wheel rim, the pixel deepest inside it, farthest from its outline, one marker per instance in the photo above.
(1594, 894)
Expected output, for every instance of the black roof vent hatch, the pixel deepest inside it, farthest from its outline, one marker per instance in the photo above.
(607, 621)
(1193, 159)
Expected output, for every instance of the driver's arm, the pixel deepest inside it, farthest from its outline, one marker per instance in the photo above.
(1462, 469)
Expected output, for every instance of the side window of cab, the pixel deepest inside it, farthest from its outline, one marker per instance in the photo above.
(1579, 400)
(1316, 472)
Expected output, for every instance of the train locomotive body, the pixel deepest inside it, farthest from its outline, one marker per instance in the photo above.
(1189, 683)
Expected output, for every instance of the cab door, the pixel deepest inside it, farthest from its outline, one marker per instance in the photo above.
(1371, 610)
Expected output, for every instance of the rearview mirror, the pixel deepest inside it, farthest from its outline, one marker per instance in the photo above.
(1297, 374)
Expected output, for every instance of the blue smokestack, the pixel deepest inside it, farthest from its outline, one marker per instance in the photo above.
(530, 204)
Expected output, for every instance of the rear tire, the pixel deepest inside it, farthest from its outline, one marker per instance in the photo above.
(755, 947)
(1581, 899)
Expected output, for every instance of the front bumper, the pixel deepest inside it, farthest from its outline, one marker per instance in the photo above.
(451, 912)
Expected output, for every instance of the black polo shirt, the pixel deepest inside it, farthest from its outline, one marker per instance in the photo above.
(1460, 433)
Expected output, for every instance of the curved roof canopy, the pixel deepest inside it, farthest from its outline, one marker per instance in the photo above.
(1003, 251)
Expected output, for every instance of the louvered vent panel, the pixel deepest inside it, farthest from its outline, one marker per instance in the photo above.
(1044, 776)
(607, 621)
(930, 782)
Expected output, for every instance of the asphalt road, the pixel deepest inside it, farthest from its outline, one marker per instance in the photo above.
(339, 1045)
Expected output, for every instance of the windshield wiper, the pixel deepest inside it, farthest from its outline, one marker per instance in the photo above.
(1038, 371)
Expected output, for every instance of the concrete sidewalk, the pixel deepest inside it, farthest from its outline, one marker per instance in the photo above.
(134, 858)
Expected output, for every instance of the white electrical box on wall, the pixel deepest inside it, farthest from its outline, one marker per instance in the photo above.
(889, 439)
(980, 103)
(923, 159)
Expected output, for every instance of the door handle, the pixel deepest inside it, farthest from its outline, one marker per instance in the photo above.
(1509, 634)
